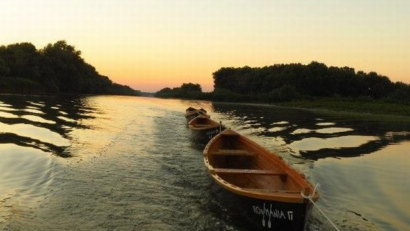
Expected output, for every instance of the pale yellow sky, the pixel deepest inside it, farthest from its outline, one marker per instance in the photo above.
(152, 44)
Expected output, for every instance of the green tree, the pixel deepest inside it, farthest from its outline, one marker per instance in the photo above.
(22, 60)
(190, 87)
(64, 66)
(284, 93)
(312, 80)
(57, 67)
(4, 70)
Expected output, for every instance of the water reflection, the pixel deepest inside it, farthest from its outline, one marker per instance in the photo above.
(34, 133)
(25, 176)
(7, 115)
(306, 135)
(323, 130)
(335, 143)
(278, 123)
(326, 124)
(136, 167)
(37, 119)
(43, 123)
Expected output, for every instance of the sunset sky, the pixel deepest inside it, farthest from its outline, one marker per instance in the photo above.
(152, 44)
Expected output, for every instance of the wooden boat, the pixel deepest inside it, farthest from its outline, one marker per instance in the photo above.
(190, 109)
(263, 187)
(204, 129)
(191, 113)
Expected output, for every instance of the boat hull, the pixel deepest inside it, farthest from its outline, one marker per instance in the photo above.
(204, 136)
(259, 214)
(191, 116)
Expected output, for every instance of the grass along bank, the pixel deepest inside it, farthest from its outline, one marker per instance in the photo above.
(358, 108)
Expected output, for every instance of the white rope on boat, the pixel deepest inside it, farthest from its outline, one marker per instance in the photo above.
(309, 197)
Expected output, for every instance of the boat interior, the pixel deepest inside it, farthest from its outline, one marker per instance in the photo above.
(247, 165)
(203, 122)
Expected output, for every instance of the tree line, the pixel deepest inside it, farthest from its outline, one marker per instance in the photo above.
(285, 82)
(187, 90)
(288, 82)
(56, 68)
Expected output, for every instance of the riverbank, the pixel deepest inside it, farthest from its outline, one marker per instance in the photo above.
(352, 105)
(399, 106)
(22, 86)
(336, 104)
(345, 110)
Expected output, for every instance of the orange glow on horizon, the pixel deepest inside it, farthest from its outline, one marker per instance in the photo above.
(150, 45)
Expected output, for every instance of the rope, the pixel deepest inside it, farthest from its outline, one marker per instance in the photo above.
(309, 197)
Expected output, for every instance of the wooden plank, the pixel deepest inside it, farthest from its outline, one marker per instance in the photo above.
(233, 152)
(246, 171)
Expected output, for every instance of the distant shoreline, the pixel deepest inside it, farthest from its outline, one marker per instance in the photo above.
(33, 92)
(61, 94)
(21, 86)
(378, 110)
(311, 86)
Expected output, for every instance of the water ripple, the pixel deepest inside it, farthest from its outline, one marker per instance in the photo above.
(133, 166)
(36, 133)
(25, 176)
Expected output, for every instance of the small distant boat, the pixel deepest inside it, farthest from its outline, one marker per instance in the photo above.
(191, 109)
(191, 113)
(265, 190)
(204, 129)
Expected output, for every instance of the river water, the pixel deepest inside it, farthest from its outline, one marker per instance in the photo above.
(128, 163)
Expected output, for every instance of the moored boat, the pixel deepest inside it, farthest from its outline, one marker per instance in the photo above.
(191, 113)
(262, 186)
(204, 129)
